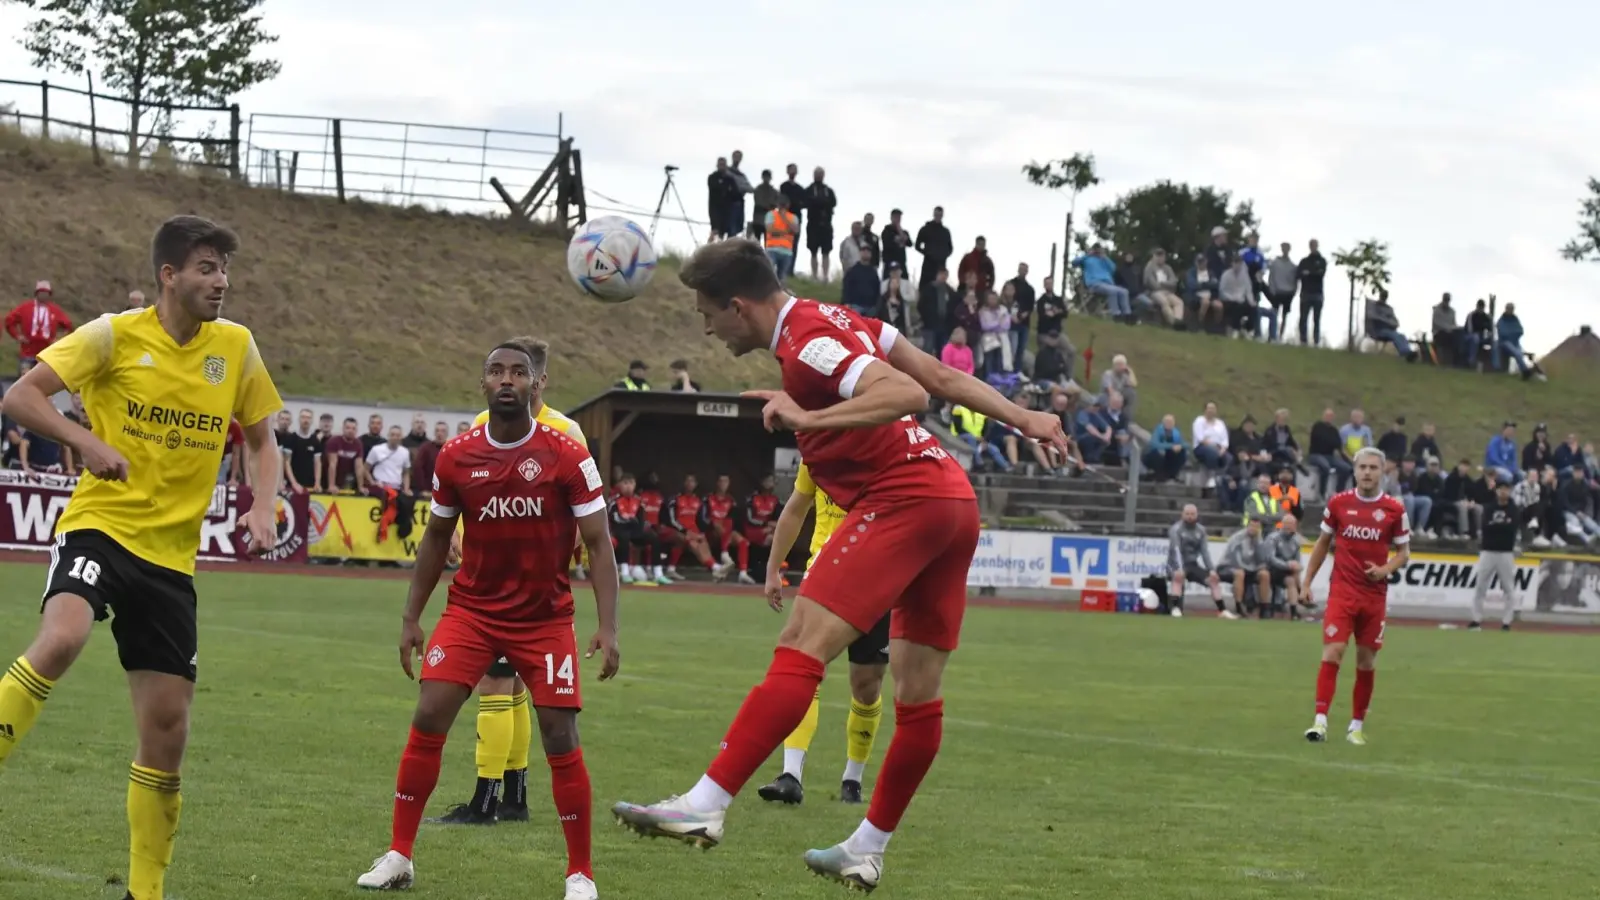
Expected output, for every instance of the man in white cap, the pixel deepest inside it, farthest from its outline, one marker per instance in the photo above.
(35, 324)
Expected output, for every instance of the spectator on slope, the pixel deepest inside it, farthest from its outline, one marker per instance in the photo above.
(796, 192)
(1092, 432)
(342, 456)
(1130, 277)
(871, 252)
(735, 212)
(1251, 449)
(1480, 332)
(1393, 441)
(1383, 326)
(935, 245)
(1508, 341)
(1538, 453)
(35, 324)
(1100, 279)
(1283, 280)
(418, 434)
(1449, 335)
(860, 289)
(994, 319)
(1050, 365)
(1500, 457)
(1461, 502)
(1426, 446)
(1279, 441)
(387, 477)
(1418, 504)
(965, 313)
(820, 203)
(972, 428)
(1313, 269)
(1189, 559)
(1238, 298)
(1210, 436)
(781, 232)
(762, 202)
(1534, 500)
(1165, 454)
(1287, 495)
(1355, 434)
(1116, 415)
(374, 435)
(894, 241)
(977, 262)
(1568, 459)
(1201, 296)
(897, 300)
(424, 458)
(1161, 286)
(853, 250)
(1256, 262)
(1120, 379)
(1051, 309)
(722, 191)
(935, 301)
(1577, 500)
(1011, 440)
(1022, 302)
(956, 354)
(1219, 255)
(679, 379)
(135, 300)
(1430, 484)
(635, 379)
(1325, 452)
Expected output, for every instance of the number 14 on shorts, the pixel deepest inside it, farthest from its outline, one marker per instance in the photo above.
(564, 672)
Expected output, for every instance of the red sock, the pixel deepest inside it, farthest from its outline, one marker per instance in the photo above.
(744, 556)
(673, 555)
(770, 712)
(569, 784)
(1327, 683)
(419, 773)
(918, 728)
(1362, 698)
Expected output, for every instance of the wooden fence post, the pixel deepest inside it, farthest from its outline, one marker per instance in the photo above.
(44, 108)
(233, 141)
(338, 158)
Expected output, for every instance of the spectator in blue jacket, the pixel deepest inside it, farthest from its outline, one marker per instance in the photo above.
(1166, 452)
(1100, 277)
(1568, 459)
(1092, 432)
(1501, 455)
(1508, 339)
(861, 289)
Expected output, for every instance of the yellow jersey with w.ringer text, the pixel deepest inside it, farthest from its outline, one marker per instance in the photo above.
(166, 409)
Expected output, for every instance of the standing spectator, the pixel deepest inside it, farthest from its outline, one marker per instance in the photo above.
(1447, 334)
(1200, 295)
(1460, 494)
(956, 354)
(995, 321)
(35, 324)
(38, 453)
(418, 434)
(1050, 364)
(1480, 333)
(1165, 453)
(935, 245)
(781, 230)
(897, 300)
(853, 250)
(1383, 326)
(425, 458)
(1238, 297)
(1418, 504)
(233, 470)
(1022, 300)
(895, 240)
(342, 458)
(1280, 443)
(1052, 312)
(1219, 256)
(1313, 269)
(871, 253)
(1100, 279)
(1283, 280)
(1325, 452)
(1497, 557)
(762, 202)
(1130, 277)
(1210, 436)
(965, 313)
(1161, 285)
(324, 431)
(135, 300)
(374, 435)
(977, 262)
(1508, 341)
(1120, 378)
(679, 378)
(387, 477)
(1538, 453)
(796, 193)
(1355, 435)
(933, 308)
(860, 290)
(1393, 442)
(820, 203)
(302, 451)
(742, 184)
(1500, 457)
(635, 379)
(722, 192)
(1426, 446)
(1256, 262)
(463, 427)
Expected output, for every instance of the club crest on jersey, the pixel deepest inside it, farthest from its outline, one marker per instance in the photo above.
(530, 469)
(215, 369)
(1377, 515)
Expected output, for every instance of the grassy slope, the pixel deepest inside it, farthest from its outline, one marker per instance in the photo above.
(383, 303)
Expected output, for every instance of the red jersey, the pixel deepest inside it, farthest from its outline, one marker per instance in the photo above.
(759, 509)
(682, 512)
(823, 350)
(717, 510)
(519, 505)
(1363, 531)
(650, 501)
(36, 325)
(625, 510)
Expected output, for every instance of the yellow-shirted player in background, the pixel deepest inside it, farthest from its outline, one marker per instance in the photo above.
(505, 722)
(869, 655)
(160, 385)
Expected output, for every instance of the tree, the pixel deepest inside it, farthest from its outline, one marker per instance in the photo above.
(1075, 174)
(1174, 217)
(1586, 247)
(155, 53)
(1366, 265)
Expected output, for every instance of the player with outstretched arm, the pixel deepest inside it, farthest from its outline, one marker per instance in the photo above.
(1359, 527)
(520, 488)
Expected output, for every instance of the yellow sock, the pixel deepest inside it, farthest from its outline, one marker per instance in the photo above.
(521, 732)
(861, 729)
(494, 734)
(22, 695)
(800, 739)
(153, 805)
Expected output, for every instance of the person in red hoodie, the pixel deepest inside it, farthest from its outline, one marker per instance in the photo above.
(977, 260)
(36, 323)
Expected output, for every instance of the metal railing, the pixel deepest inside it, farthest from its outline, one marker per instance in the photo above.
(394, 162)
(121, 129)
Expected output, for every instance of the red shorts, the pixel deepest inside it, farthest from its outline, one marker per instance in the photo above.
(909, 556)
(545, 655)
(758, 536)
(1362, 621)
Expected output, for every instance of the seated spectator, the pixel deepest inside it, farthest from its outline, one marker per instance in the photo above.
(10, 445)
(37, 453)
(1232, 484)
(1419, 505)
(1130, 277)
(1450, 337)
(971, 426)
(1591, 462)
(1461, 500)
(1251, 451)
(1355, 435)
(1429, 484)
(1393, 441)
(1568, 459)
(1500, 457)
(1536, 500)
(1238, 297)
(1283, 281)
(1577, 501)
(1287, 494)
(897, 297)
(1280, 443)
(1092, 431)
(1537, 453)
(1165, 453)
(1050, 365)
(1508, 341)
(1161, 286)
(1259, 503)
(1325, 452)
(1100, 279)
(1200, 295)
(956, 354)
(1117, 419)
(860, 290)
(1383, 326)
(995, 343)
(1426, 446)
(1120, 379)
(1210, 436)
(1012, 440)
(1480, 333)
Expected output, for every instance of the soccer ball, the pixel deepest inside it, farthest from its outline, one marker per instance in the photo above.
(611, 259)
(1149, 599)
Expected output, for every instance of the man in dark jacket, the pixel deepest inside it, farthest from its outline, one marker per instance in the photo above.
(1480, 331)
(895, 240)
(796, 192)
(1279, 441)
(1313, 268)
(935, 245)
(933, 309)
(1325, 453)
(1460, 500)
(722, 192)
(1393, 441)
(1021, 310)
(819, 204)
(860, 290)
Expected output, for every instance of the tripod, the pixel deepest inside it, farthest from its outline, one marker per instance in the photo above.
(672, 187)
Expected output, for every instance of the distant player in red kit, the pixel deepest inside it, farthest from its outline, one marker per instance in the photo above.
(628, 528)
(718, 519)
(760, 517)
(1360, 527)
(851, 386)
(681, 514)
(521, 490)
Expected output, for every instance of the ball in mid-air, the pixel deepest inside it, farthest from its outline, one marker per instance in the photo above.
(611, 259)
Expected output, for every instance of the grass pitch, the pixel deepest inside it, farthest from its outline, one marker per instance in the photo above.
(1085, 756)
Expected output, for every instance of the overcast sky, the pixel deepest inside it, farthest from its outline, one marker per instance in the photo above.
(1460, 133)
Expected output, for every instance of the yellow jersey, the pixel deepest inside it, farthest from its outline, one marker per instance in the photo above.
(829, 513)
(546, 416)
(166, 409)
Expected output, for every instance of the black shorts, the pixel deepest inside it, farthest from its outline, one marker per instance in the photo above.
(154, 607)
(1196, 575)
(819, 236)
(872, 648)
(501, 668)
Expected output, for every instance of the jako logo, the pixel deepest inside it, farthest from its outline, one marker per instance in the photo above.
(1077, 562)
(1361, 533)
(511, 508)
(480, 473)
(562, 690)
